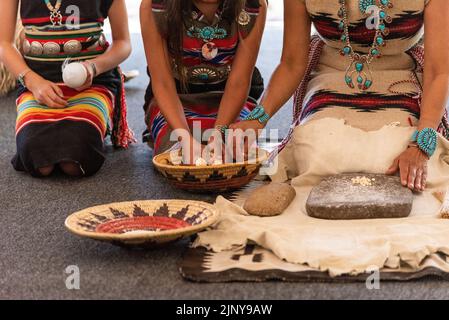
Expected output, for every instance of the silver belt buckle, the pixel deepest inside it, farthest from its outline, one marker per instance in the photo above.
(206, 74)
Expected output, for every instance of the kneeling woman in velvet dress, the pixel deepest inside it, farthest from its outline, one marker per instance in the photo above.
(201, 57)
(60, 127)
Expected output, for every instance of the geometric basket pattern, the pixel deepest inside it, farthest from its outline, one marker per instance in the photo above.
(146, 223)
(209, 179)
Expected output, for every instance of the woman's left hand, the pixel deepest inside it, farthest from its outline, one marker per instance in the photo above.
(245, 134)
(412, 165)
(90, 76)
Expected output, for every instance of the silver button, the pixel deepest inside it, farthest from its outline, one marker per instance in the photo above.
(244, 18)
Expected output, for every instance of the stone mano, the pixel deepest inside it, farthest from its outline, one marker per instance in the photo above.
(270, 200)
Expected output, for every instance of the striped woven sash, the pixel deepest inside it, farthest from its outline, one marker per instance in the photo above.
(49, 43)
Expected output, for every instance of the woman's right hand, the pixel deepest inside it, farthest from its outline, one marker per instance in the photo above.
(45, 92)
(191, 150)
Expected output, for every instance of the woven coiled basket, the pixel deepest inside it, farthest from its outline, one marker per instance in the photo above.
(209, 179)
(148, 223)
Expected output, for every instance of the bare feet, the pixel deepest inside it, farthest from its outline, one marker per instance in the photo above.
(46, 171)
(71, 168)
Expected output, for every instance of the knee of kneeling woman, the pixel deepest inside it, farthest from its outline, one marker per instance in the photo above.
(72, 169)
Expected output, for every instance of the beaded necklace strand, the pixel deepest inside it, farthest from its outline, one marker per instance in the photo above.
(359, 68)
(208, 34)
(55, 12)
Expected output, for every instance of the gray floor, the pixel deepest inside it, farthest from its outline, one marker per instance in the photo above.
(35, 248)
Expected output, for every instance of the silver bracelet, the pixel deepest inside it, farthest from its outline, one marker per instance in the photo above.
(94, 68)
(21, 77)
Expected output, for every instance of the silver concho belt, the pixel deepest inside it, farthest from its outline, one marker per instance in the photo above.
(71, 47)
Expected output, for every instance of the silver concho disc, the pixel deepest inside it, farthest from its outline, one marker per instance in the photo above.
(244, 18)
(26, 47)
(209, 51)
(102, 41)
(204, 74)
(72, 47)
(51, 48)
(36, 48)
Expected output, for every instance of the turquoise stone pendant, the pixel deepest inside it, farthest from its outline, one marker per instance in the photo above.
(207, 33)
(364, 4)
(356, 73)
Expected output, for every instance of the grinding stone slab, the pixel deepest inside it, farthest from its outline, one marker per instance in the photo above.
(339, 198)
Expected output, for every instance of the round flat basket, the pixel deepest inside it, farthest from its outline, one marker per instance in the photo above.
(209, 179)
(150, 223)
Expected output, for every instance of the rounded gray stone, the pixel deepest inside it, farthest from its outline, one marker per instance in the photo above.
(270, 200)
(339, 198)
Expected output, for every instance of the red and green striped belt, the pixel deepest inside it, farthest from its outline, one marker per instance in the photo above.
(54, 46)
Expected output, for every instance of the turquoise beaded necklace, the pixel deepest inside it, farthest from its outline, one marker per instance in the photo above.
(359, 68)
(208, 34)
(364, 4)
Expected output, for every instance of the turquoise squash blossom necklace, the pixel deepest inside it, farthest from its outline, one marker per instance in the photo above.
(359, 68)
(209, 49)
(55, 12)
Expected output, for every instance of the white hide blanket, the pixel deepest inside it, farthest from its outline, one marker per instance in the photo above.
(327, 147)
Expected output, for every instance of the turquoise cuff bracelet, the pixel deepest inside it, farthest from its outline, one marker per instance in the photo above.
(426, 140)
(258, 114)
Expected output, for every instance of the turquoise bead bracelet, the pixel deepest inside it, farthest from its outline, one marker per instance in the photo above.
(222, 128)
(426, 140)
(258, 114)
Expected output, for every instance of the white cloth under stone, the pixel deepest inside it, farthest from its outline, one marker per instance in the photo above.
(326, 147)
